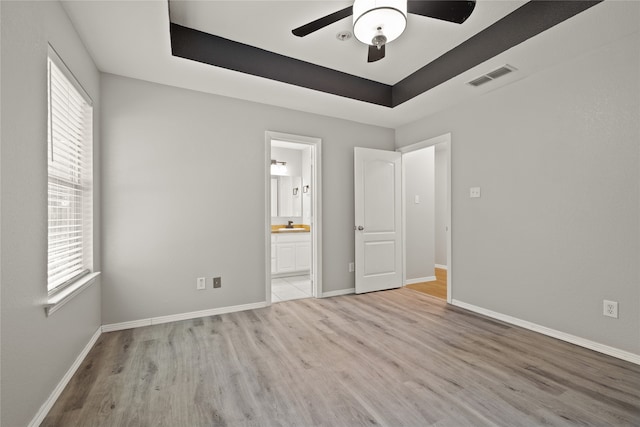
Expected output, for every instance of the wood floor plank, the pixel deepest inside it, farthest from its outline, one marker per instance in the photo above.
(392, 358)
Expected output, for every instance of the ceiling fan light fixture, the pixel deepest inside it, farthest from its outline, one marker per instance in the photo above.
(372, 18)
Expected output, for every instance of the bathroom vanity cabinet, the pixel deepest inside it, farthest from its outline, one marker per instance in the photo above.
(290, 252)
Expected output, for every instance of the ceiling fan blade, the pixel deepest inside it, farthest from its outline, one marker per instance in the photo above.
(452, 11)
(320, 23)
(375, 54)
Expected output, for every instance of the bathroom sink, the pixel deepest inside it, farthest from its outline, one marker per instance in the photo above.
(291, 229)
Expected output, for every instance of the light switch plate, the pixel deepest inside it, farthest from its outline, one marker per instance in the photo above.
(416, 199)
(474, 192)
(201, 283)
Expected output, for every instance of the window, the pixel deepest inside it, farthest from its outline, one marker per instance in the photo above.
(70, 200)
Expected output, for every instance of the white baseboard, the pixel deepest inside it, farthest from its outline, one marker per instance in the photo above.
(181, 316)
(419, 280)
(442, 267)
(563, 336)
(126, 325)
(48, 404)
(339, 292)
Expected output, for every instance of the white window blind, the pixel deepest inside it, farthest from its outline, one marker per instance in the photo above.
(70, 212)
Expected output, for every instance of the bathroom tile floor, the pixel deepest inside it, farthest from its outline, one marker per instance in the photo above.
(289, 288)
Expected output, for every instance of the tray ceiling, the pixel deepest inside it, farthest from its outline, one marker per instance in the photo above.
(268, 25)
(133, 39)
(204, 32)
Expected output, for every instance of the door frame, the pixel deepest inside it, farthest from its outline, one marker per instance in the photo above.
(316, 207)
(442, 139)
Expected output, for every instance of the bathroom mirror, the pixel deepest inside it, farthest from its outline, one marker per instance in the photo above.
(286, 196)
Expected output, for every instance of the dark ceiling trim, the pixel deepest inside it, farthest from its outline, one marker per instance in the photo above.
(525, 22)
(220, 52)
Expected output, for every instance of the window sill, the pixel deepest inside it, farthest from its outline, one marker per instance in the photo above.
(57, 300)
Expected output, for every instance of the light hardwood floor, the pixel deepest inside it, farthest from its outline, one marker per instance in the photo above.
(436, 288)
(393, 358)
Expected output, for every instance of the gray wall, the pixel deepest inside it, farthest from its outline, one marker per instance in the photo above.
(36, 351)
(183, 196)
(557, 228)
(441, 174)
(420, 217)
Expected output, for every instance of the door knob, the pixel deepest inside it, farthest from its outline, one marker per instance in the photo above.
(360, 228)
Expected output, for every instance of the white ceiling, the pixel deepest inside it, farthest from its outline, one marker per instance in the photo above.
(131, 38)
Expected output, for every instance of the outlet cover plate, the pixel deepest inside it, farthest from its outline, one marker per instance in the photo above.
(610, 308)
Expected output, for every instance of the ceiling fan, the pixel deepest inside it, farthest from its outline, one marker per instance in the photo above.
(379, 22)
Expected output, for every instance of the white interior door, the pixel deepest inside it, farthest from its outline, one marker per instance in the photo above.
(378, 219)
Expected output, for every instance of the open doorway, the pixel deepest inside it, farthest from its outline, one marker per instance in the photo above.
(292, 217)
(427, 216)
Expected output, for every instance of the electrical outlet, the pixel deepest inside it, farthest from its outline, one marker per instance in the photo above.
(610, 308)
(352, 267)
(201, 283)
(217, 282)
(474, 192)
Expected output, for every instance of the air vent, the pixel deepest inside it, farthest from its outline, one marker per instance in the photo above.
(492, 75)
(480, 81)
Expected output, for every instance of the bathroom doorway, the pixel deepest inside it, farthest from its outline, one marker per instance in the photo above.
(293, 238)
